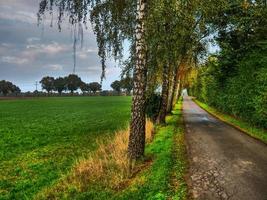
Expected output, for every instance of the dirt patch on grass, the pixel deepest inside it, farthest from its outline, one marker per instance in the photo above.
(138, 169)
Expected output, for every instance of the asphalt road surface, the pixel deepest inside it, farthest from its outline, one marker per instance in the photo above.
(224, 162)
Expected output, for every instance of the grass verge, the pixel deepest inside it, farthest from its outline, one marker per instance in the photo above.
(245, 127)
(103, 176)
(164, 179)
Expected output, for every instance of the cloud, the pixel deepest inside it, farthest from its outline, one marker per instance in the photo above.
(42, 51)
(9, 12)
(113, 71)
(33, 39)
(84, 53)
(14, 60)
(54, 67)
(93, 69)
(91, 50)
(6, 45)
(52, 48)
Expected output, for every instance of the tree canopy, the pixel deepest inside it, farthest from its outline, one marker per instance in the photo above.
(73, 82)
(94, 87)
(7, 87)
(48, 83)
(60, 84)
(116, 86)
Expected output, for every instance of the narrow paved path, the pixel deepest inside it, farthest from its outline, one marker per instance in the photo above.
(224, 162)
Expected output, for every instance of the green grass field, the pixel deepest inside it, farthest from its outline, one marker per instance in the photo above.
(40, 139)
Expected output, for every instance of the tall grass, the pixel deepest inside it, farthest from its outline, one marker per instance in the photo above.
(107, 167)
(109, 164)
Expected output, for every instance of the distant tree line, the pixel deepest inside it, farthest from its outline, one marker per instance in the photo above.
(69, 83)
(125, 84)
(6, 87)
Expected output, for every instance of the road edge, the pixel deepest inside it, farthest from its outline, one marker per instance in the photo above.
(229, 123)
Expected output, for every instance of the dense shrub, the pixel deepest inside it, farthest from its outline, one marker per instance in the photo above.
(243, 94)
(153, 106)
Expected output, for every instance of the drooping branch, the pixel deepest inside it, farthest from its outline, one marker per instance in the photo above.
(113, 21)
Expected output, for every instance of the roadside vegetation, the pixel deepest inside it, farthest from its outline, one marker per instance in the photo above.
(165, 177)
(107, 168)
(246, 127)
(234, 80)
(105, 174)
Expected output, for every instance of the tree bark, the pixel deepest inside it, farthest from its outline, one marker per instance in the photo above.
(176, 92)
(171, 91)
(164, 96)
(176, 86)
(180, 72)
(136, 144)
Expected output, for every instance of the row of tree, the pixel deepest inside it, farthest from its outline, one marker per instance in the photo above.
(74, 82)
(70, 83)
(235, 79)
(167, 38)
(7, 87)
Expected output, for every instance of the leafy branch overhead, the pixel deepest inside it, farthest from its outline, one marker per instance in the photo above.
(112, 21)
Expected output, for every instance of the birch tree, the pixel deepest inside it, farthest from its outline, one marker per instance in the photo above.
(114, 21)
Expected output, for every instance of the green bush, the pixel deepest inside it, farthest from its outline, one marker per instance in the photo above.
(153, 106)
(243, 94)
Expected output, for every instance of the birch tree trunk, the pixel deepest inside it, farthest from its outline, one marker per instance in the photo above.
(136, 144)
(164, 95)
(176, 86)
(171, 91)
(176, 92)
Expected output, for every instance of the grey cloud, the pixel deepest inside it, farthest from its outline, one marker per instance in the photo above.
(14, 60)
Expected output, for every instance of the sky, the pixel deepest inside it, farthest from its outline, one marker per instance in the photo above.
(29, 52)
